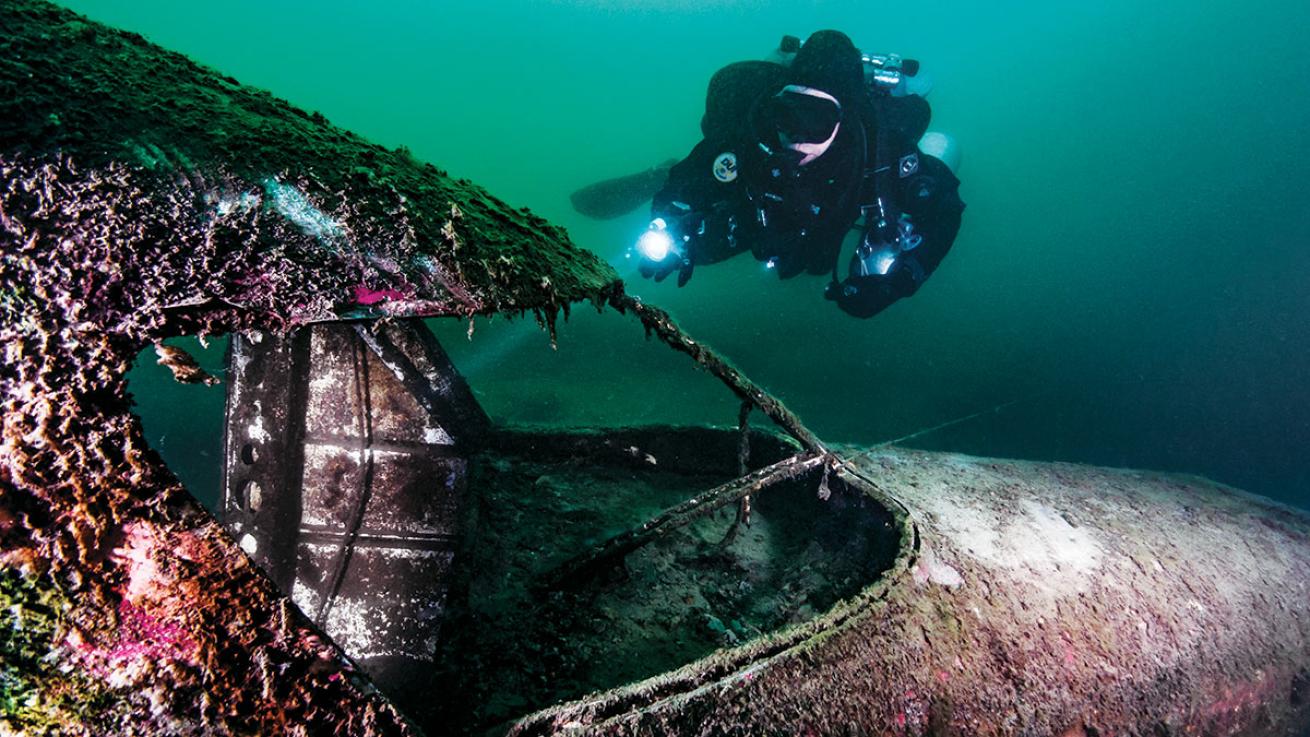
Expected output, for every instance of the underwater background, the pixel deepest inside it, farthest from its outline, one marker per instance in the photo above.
(1134, 265)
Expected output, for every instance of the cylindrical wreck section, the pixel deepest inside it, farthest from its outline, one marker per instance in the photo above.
(1029, 599)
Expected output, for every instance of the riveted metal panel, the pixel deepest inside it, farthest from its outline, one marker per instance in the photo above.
(349, 433)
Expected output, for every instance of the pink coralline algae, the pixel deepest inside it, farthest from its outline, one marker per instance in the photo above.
(148, 631)
(144, 635)
(143, 641)
(366, 296)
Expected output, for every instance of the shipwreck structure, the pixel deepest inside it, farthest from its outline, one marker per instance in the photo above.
(345, 472)
(144, 197)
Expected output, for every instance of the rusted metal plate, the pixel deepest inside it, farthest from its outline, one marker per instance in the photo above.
(343, 481)
(388, 609)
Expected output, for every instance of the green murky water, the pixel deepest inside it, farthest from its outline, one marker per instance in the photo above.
(1132, 263)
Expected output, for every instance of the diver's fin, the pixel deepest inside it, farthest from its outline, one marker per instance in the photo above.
(612, 198)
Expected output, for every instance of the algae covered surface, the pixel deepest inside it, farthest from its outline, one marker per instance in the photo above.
(240, 164)
(146, 197)
(39, 691)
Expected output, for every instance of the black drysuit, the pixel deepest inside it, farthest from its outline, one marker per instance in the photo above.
(795, 216)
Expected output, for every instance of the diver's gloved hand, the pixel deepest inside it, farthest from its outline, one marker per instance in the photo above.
(662, 250)
(660, 270)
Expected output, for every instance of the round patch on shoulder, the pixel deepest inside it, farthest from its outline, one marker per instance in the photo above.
(725, 167)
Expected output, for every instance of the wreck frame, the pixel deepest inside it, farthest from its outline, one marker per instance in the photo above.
(346, 460)
(147, 197)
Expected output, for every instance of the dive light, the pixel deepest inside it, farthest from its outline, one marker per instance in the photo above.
(887, 72)
(878, 253)
(657, 243)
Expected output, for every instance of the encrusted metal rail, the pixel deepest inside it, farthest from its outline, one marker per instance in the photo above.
(606, 554)
(661, 324)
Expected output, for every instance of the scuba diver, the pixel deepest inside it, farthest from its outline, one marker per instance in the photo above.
(796, 154)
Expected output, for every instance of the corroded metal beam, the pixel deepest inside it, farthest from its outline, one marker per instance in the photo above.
(661, 324)
(580, 568)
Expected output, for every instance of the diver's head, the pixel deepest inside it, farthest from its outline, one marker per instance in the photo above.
(801, 120)
(829, 61)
